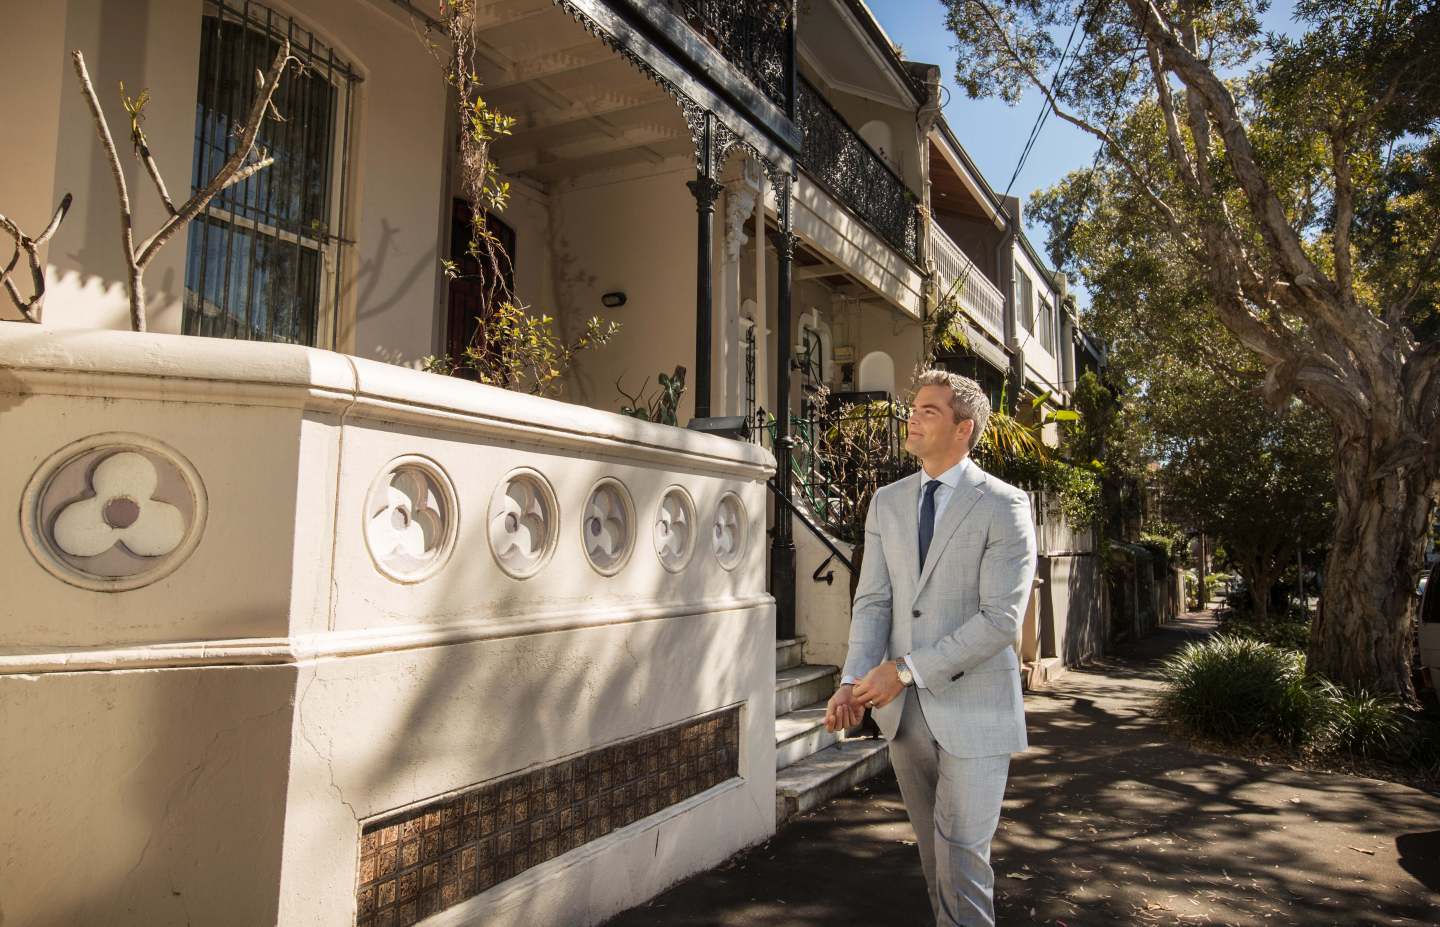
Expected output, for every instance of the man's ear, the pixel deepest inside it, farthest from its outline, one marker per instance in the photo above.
(967, 428)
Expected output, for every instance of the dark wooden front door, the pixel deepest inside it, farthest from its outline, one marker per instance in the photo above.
(473, 294)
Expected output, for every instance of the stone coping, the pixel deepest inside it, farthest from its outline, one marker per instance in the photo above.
(130, 365)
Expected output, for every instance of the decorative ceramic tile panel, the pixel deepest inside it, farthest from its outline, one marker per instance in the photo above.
(426, 859)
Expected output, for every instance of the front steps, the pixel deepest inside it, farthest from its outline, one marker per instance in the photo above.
(813, 765)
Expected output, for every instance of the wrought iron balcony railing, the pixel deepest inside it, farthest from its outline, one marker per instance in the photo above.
(839, 160)
(753, 35)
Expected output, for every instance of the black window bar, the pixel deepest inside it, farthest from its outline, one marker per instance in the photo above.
(263, 259)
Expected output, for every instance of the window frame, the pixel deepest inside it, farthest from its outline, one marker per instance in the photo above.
(321, 61)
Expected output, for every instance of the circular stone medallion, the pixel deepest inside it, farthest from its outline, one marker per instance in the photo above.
(113, 512)
(728, 532)
(608, 528)
(675, 529)
(523, 522)
(411, 516)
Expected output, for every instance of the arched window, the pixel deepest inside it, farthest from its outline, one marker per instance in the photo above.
(878, 135)
(877, 373)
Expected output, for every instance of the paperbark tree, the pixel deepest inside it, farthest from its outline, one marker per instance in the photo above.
(1269, 160)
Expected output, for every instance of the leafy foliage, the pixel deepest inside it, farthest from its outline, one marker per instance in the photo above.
(1359, 723)
(1240, 691)
(845, 452)
(663, 405)
(1243, 692)
(1280, 191)
(512, 348)
(1290, 630)
(519, 351)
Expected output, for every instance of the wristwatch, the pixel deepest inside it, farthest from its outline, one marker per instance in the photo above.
(907, 678)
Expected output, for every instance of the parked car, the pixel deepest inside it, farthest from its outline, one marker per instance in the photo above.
(1430, 625)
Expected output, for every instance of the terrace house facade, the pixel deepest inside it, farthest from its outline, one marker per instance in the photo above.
(358, 644)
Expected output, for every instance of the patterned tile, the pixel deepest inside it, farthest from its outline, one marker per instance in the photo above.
(427, 859)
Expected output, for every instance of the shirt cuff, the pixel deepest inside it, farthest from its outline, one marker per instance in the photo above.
(920, 683)
(848, 680)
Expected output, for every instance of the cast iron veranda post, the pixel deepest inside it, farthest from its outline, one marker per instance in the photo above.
(705, 189)
(782, 545)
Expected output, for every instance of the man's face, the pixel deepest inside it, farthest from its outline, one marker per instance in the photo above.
(933, 433)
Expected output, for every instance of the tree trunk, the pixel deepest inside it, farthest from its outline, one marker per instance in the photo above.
(1260, 598)
(1364, 633)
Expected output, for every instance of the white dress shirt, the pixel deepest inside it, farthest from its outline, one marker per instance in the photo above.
(949, 482)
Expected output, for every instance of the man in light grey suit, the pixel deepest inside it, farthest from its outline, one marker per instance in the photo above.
(949, 560)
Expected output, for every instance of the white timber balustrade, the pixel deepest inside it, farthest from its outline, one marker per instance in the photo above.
(980, 298)
(281, 627)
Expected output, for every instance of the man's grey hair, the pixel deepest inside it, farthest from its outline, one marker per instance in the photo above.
(967, 399)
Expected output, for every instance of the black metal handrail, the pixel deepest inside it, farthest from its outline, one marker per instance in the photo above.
(753, 35)
(842, 162)
(814, 529)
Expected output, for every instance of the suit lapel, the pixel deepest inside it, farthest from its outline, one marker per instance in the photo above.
(966, 495)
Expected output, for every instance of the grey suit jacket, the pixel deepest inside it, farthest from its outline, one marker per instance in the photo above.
(958, 618)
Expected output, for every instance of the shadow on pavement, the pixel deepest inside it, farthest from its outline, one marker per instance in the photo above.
(1107, 820)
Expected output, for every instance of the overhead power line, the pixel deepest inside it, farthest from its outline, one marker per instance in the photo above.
(1044, 113)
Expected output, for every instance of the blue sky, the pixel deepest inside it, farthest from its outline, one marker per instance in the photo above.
(991, 131)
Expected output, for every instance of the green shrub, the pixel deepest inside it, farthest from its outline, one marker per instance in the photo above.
(1241, 691)
(1361, 724)
(1216, 581)
(1238, 690)
(1291, 631)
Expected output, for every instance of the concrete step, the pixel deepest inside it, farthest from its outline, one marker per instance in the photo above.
(802, 685)
(789, 653)
(801, 733)
(815, 779)
(1039, 673)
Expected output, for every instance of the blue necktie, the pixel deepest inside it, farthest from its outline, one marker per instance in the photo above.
(927, 519)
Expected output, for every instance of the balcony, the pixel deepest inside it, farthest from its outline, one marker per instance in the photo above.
(753, 35)
(840, 162)
(980, 298)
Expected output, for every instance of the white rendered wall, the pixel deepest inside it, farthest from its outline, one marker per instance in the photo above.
(389, 277)
(630, 233)
(205, 747)
(1041, 367)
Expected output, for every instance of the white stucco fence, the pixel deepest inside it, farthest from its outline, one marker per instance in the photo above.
(258, 595)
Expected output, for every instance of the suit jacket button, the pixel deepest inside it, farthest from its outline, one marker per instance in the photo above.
(957, 675)
(915, 613)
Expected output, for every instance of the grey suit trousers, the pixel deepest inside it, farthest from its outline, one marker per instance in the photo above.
(954, 805)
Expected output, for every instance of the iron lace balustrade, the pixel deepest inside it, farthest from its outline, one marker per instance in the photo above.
(839, 160)
(753, 35)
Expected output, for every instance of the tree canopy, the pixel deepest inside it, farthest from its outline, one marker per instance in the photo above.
(1281, 189)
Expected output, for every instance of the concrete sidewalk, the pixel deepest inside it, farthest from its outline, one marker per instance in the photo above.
(1108, 820)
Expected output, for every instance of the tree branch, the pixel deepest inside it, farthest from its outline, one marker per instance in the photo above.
(1172, 126)
(142, 151)
(1395, 313)
(30, 308)
(1146, 188)
(1344, 217)
(1359, 329)
(230, 171)
(234, 170)
(127, 228)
